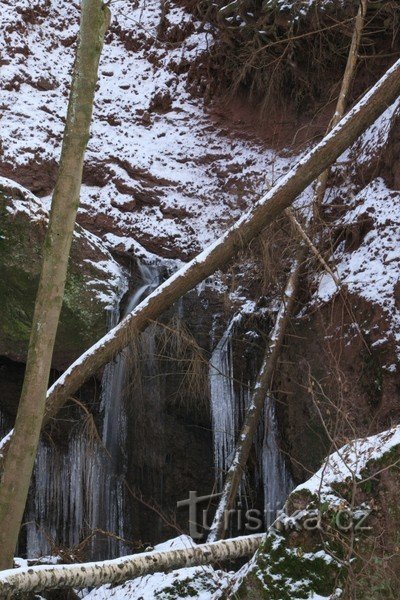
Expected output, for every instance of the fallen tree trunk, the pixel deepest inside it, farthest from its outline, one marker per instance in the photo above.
(44, 577)
(253, 413)
(264, 211)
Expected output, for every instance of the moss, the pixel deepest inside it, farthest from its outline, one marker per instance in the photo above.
(22, 236)
(296, 562)
(283, 573)
(189, 587)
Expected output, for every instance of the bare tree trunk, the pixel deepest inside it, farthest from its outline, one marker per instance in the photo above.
(348, 77)
(264, 379)
(264, 212)
(253, 413)
(40, 578)
(21, 455)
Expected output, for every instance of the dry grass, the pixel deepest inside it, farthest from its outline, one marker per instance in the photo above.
(184, 358)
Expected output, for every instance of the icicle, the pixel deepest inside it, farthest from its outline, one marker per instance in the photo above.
(108, 504)
(276, 477)
(80, 488)
(57, 507)
(223, 402)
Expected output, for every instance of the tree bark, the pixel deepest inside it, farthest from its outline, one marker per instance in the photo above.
(264, 379)
(264, 211)
(40, 578)
(253, 413)
(21, 455)
(348, 77)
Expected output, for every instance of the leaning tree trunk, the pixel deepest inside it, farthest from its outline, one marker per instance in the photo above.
(40, 578)
(263, 212)
(21, 455)
(253, 413)
(348, 77)
(264, 379)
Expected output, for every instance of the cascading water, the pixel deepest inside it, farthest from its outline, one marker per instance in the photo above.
(108, 506)
(277, 481)
(223, 402)
(79, 486)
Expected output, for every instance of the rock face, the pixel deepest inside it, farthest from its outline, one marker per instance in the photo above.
(343, 356)
(94, 280)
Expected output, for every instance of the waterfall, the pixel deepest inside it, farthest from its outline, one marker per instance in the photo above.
(109, 499)
(57, 505)
(80, 480)
(227, 407)
(115, 375)
(223, 402)
(78, 484)
(277, 482)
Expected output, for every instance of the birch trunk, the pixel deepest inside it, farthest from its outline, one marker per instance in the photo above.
(264, 379)
(263, 212)
(21, 455)
(40, 578)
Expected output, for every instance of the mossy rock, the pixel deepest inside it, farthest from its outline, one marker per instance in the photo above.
(94, 280)
(338, 538)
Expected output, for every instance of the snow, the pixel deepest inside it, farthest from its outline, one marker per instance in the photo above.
(349, 462)
(202, 581)
(174, 164)
(181, 542)
(188, 177)
(23, 201)
(150, 585)
(375, 138)
(190, 580)
(371, 271)
(4, 441)
(205, 582)
(180, 274)
(294, 588)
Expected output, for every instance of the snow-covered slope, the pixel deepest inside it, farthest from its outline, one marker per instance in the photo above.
(157, 169)
(364, 214)
(371, 270)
